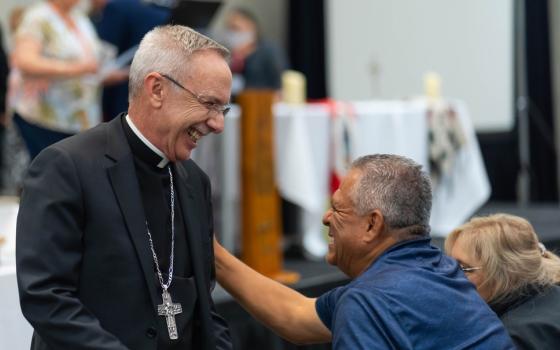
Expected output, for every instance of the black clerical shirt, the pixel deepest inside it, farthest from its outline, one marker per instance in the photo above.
(155, 191)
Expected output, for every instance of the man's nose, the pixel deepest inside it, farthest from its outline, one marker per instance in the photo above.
(216, 123)
(327, 217)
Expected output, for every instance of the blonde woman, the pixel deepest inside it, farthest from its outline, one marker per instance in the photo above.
(502, 256)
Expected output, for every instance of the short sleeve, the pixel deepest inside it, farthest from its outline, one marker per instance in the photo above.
(326, 304)
(363, 321)
(34, 25)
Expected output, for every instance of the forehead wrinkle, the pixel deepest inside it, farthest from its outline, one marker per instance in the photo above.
(212, 99)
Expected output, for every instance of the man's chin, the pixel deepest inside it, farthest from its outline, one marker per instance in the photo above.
(330, 259)
(183, 155)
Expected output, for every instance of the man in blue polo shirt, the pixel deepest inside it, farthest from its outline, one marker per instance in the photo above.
(405, 293)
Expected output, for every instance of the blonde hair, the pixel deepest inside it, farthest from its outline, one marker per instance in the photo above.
(509, 253)
(167, 49)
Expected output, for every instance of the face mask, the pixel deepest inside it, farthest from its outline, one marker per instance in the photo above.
(234, 39)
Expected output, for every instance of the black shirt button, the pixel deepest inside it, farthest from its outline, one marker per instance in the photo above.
(151, 332)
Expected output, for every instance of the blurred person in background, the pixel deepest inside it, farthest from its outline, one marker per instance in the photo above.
(4, 70)
(515, 274)
(123, 23)
(15, 155)
(56, 54)
(255, 62)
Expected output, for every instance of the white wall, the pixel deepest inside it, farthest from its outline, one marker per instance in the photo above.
(381, 49)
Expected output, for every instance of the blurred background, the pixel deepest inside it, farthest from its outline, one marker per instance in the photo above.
(470, 90)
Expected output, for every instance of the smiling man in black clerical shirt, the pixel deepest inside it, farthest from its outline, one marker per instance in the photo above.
(114, 235)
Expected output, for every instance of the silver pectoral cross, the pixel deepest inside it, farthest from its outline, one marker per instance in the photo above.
(169, 310)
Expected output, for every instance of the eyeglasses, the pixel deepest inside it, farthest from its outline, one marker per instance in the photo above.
(469, 269)
(212, 107)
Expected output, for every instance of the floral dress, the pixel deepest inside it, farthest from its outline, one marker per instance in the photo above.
(67, 105)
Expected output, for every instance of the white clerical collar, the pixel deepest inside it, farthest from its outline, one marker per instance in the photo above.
(164, 161)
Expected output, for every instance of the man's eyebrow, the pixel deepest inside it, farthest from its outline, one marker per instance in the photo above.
(212, 99)
(333, 205)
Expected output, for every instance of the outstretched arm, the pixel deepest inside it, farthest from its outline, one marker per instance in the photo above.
(287, 312)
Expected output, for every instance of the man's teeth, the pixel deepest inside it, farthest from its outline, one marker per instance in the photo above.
(194, 134)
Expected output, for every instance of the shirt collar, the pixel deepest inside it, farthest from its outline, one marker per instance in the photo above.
(164, 161)
(399, 247)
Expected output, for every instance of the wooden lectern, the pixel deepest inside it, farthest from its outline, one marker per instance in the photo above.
(261, 224)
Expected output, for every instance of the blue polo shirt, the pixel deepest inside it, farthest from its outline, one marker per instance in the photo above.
(412, 297)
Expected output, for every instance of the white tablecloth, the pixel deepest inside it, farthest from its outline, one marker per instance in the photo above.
(302, 140)
(8, 215)
(15, 332)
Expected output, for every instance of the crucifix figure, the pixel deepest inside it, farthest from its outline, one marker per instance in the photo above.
(169, 310)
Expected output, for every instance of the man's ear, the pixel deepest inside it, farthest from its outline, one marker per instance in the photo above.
(375, 225)
(153, 88)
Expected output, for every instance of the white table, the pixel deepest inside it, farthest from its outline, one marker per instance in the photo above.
(303, 137)
(8, 215)
(15, 331)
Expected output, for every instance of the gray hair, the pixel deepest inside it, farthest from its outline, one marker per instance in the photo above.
(396, 186)
(166, 49)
